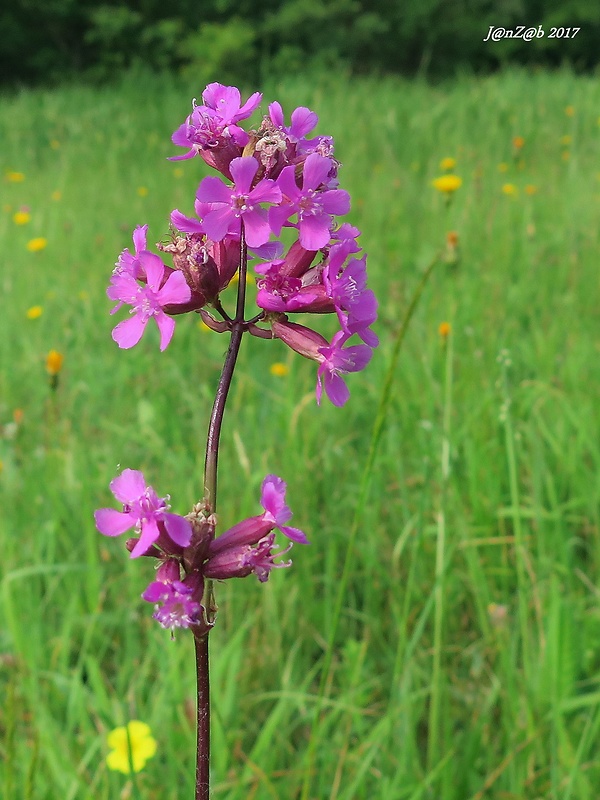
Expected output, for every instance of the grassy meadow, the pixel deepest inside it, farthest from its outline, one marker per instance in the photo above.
(466, 658)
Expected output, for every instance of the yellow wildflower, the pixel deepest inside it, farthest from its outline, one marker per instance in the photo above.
(35, 245)
(518, 142)
(14, 177)
(444, 329)
(56, 195)
(570, 111)
(21, 217)
(131, 747)
(447, 164)
(279, 369)
(54, 362)
(510, 189)
(530, 189)
(34, 312)
(142, 191)
(447, 184)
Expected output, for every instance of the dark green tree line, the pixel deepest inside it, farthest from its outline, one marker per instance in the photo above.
(46, 41)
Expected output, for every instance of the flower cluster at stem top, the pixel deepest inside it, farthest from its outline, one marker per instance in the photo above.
(187, 549)
(277, 176)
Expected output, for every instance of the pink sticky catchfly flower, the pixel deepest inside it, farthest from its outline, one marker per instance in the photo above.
(333, 358)
(176, 601)
(240, 561)
(215, 123)
(143, 510)
(147, 301)
(230, 205)
(252, 530)
(314, 203)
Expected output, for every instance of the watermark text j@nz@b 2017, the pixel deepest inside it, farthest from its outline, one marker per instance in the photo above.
(496, 33)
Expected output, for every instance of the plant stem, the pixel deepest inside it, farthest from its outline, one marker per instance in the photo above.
(202, 719)
(238, 328)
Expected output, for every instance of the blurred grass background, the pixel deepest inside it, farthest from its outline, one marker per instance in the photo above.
(466, 662)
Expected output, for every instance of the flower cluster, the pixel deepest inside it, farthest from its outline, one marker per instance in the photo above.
(187, 549)
(277, 177)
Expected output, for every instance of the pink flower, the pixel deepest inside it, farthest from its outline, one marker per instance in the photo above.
(337, 359)
(356, 306)
(240, 561)
(142, 510)
(334, 359)
(230, 205)
(314, 203)
(252, 530)
(303, 121)
(177, 601)
(214, 124)
(147, 301)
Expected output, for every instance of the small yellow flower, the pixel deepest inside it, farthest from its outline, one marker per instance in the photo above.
(279, 369)
(55, 144)
(518, 142)
(570, 111)
(447, 164)
(56, 195)
(14, 177)
(178, 172)
(34, 312)
(447, 184)
(565, 140)
(565, 155)
(502, 167)
(510, 189)
(21, 217)
(452, 239)
(530, 189)
(35, 245)
(131, 747)
(444, 329)
(54, 362)
(142, 191)
(18, 415)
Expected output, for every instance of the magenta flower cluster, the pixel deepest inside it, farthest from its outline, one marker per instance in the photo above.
(279, 182)
(187, 549)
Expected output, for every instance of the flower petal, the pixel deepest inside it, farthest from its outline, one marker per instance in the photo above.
(128, 333)
(179, 528)
(111, 522)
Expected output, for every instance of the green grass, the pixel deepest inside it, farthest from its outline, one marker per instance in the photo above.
(466, 659)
